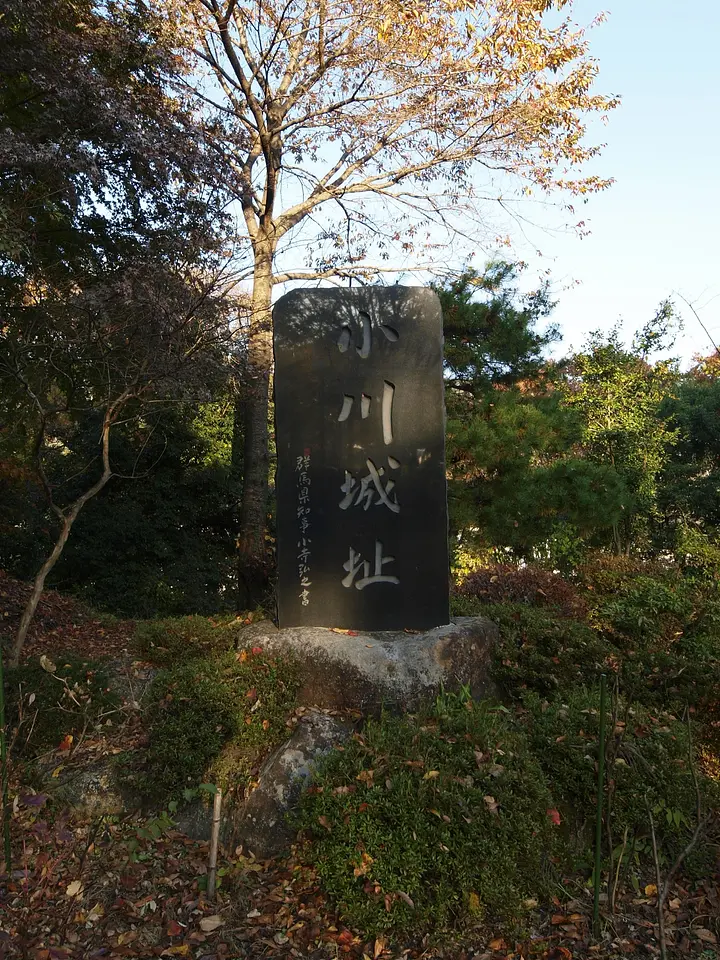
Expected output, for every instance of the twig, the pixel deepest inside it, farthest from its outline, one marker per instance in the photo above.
(702, 822)
(32, 727)
(697, 317)
(599, 809)
(661, 916)
(613, 892)
(611, 752)
(4, 775)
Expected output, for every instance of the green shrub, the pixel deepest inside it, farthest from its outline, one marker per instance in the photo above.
(667, 640)
(181, 639)
(604, 573)
(540, 650)
(662, 639)
(200, 707)
(45, 705)
(423, 821)
(648, 763)
(699, 554)
(646, 610)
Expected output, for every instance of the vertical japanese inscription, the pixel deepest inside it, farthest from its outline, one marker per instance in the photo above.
(370, 489)
(302, 468)
(362, 523)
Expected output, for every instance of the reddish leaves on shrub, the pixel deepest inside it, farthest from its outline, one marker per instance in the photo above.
(504, 583)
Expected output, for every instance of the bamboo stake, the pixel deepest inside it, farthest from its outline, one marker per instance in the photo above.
(214, 838)
(599, 811)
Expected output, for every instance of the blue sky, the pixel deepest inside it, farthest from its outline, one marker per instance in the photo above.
(656, 229)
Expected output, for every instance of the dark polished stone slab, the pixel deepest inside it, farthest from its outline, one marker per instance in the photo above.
(361, 492)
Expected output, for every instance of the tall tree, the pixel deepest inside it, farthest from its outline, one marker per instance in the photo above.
(618, 393)
(515, 482)
(689, 485)
(97, 161)
(491, 334)
(356, 131)
(109, 251)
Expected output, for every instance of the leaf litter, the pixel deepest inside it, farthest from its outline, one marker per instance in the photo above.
(85, 888)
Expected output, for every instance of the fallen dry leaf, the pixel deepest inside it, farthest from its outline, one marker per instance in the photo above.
(47, 664)
(366, 861)
(74, 889)
(208, 924)
(560, 953)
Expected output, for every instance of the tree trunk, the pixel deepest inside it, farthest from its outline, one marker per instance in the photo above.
(68, 519)
(37, 590)
(252, 552)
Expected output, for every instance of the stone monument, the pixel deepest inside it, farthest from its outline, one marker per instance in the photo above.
(361, 491)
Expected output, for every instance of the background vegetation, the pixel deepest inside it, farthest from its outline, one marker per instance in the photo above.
(583, 488)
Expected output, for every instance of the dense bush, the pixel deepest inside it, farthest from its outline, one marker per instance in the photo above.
(649, 765)
(604, 573)
(44, 704)
(428, 820)
(660, 633)
(666, 634)
(506, 583)
(200, 706)
(539, 650)
(645, 610)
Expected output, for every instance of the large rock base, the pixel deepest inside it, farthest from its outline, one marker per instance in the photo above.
(366, 671)
(260, 824)
(345, 671)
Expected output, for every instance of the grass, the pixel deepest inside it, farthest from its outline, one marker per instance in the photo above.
(182, 639)
(212, 717)
(47, 703)
(431, 820)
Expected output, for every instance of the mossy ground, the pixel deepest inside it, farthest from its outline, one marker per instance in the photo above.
(464, 814)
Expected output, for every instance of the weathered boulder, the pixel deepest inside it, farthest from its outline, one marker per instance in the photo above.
(365, 671)
(90, 789)
(260, 824)
(263, 828)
